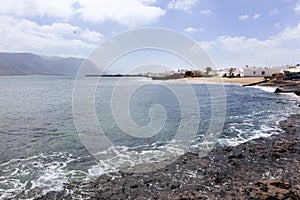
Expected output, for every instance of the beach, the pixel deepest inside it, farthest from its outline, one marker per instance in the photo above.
(241, 81)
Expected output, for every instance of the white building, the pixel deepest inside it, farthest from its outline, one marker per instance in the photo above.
(261, 71)
(254, 71)
(295, 69)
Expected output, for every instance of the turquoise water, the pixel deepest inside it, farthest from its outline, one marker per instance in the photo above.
(40, 149)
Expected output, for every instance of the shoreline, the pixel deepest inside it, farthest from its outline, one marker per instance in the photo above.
(280, 86)
(240, 81)
(260, 169)
(244, 81)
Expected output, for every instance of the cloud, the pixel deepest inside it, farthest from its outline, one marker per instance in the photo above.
(53, 30)
(236, 44)
(274, 12)
(279, 49)
(190, 30)
(182, 4)
(130, 13)
(57, 38)
(31, 8)
(243, 17)
(91, 36)
(246, 17)
(193, 30)
(297, 8)
(289, 33)
(256, 16)
(205, 12)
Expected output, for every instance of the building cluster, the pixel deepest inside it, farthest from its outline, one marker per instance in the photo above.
(253, 71)
(246, 71)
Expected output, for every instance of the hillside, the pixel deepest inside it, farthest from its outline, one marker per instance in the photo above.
(31, 64)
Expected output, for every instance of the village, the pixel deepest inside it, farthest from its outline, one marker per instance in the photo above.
(284, 79)
(253, 71)
(285, 72)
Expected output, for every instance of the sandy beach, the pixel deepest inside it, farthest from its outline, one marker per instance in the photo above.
(241, 81)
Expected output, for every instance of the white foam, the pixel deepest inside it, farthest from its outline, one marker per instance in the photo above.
(291, 94)
(245, 134)
(269, 89)
(41, 173)
(124, 157)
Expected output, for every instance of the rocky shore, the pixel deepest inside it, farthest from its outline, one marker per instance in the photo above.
(284, 86)
(282, 83)
(264, 168)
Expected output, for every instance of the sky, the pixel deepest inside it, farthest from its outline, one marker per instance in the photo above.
(233, 33)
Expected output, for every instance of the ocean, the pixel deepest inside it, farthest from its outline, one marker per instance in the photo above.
(41, 149)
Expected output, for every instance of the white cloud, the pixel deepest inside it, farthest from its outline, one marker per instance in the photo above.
(130, 13)
(243, 17)
(30, 8)
(246, 17)
(91, 36)
(274, 12)
(182, 4)
(190, 30)
(256, 16)
(297, 8)
(193, 30)
(205, 12)
(55, 29)
(236, 44)
(126, 12)
(279, 49)
(57, 38)
(289, 33)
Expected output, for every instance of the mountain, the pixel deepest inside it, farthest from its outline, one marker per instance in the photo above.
(31, 64)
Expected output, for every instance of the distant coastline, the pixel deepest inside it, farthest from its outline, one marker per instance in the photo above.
(113, 75)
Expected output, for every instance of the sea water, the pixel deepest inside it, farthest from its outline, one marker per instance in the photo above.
(40, 149)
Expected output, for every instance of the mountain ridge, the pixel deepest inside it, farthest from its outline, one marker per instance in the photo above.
(32, 64)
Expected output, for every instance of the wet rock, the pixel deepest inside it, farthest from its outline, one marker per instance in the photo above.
(264, 168)
(174, 186)
(237, 156)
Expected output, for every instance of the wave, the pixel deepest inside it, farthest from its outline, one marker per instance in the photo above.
(34, 176)
(269, 89)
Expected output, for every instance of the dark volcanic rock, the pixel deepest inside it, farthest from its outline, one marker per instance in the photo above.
(265, 168)
(284, 86)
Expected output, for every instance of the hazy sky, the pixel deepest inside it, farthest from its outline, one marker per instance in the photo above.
(232, 32)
